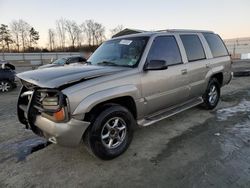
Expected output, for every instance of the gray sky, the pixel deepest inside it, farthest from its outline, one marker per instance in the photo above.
(229, 18)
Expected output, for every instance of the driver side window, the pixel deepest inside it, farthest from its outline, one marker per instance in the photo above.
(165, 48)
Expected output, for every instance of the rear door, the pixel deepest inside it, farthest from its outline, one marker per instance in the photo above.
(219, 55)
(165, 88)
(197, 63)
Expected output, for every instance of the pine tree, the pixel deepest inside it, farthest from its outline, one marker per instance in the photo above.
(5, 37)
(33, 37)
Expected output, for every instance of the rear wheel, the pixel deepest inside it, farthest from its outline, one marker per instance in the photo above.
(212, 94)
(5, 86)
(111, 132)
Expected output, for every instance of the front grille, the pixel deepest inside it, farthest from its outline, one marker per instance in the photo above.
(38, 99)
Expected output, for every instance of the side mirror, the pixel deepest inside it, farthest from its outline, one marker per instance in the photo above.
(156, 65)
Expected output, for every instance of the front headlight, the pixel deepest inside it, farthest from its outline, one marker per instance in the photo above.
(49, 100)
(52, 104)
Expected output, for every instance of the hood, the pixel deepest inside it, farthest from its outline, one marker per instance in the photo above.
(49, 66)
(59, 76)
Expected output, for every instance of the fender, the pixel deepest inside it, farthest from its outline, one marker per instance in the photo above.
(213, 71)
(92, 100)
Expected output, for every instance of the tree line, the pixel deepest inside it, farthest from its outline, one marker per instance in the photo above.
(68, 35)
(20, 35)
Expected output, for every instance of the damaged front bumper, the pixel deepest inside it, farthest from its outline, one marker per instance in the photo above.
(66, 133)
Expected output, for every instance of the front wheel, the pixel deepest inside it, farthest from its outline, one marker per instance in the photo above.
(111, 132)
(212, 95)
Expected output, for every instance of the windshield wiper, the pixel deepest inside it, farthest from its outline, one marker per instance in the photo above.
(107, 63)
(88, 62)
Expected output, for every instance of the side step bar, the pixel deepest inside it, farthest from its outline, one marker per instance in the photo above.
(169, 112)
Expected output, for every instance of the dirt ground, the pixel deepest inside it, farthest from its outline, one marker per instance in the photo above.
(196, 148)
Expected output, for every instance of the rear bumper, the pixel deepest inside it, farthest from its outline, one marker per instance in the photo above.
(66, 134)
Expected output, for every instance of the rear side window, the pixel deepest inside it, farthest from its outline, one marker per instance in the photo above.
(165, 48)
(215, 44)
(193, 47)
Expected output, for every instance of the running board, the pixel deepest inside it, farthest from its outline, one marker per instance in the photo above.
(169, 112)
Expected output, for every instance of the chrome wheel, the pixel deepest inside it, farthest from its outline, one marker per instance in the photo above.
(4, 86)
(213, 95)
(113, 132)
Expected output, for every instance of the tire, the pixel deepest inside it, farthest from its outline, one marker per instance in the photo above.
(5, 86)
(212, 95)
(114, 123)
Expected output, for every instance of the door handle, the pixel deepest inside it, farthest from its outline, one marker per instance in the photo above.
(207, 65)
(184, 71)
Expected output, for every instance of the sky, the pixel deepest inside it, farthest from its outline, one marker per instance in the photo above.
(229, 18)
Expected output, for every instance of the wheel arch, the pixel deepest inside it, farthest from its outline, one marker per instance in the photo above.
(125, 101)
(216, 72)
(219, 77)
(123, 95)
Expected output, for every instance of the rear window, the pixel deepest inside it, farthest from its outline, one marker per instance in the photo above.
(216, 45)
(193, 47)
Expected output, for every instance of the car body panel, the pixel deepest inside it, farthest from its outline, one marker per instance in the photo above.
(164, 88)
(7, 73)
(59, 76)
(86, 86)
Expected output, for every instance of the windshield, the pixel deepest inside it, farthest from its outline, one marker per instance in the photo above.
(60, 61)
(121, 52)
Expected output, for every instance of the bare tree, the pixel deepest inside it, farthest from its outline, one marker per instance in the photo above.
(73, 30)
(99, 34)
(88, 30)
(60, 26)
(15, 29)
(20, 30)
(24, 29)
(79, 38)
(115, 30)
(95, 32)
(52, 36)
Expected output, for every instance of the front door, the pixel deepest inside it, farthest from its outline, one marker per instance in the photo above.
(164, 88)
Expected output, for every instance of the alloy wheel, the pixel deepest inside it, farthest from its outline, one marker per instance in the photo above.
(113, 132)
(212, 95)
(4, 86)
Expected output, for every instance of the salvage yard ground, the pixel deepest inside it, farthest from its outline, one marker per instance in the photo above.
(196, 148)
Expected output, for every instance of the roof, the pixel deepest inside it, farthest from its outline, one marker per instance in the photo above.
(185, 31)
(136, 32)
(6, 65)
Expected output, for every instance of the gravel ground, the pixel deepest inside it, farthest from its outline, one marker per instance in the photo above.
(196, 148)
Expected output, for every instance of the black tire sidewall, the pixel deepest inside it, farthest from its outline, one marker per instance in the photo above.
(212, 82)
(95, 142)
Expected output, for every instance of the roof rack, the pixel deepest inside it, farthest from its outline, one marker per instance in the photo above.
(184, 31)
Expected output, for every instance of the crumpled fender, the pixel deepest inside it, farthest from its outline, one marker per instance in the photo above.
(92, 100)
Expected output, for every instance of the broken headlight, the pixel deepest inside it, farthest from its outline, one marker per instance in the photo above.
(52, 104)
